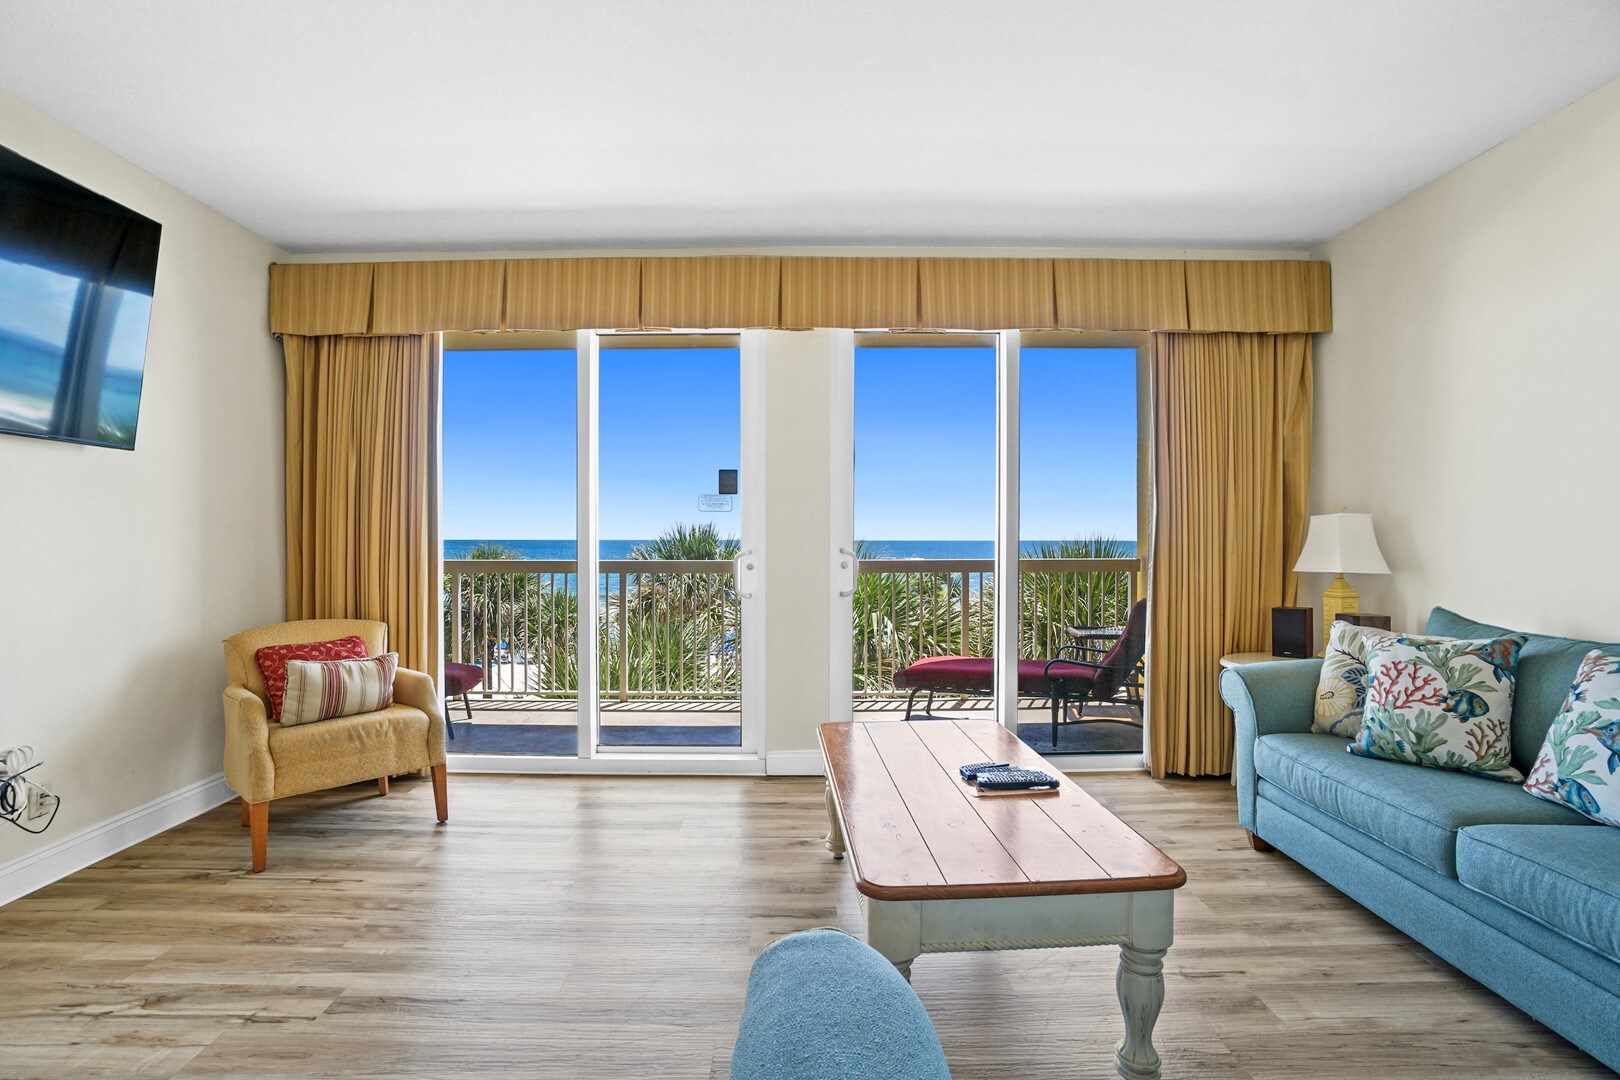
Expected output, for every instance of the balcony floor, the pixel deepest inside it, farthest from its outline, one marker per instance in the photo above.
(528, 726)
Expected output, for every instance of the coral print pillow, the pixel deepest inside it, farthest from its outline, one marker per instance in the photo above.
(1579, 764)
(1443, 703)
(1341, 689)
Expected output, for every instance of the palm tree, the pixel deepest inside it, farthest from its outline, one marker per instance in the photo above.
(1050, 601)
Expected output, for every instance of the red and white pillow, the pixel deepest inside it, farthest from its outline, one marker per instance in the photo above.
(324, 689)
(272, 661)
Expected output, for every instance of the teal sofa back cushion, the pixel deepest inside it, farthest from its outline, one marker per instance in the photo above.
(1546, 671)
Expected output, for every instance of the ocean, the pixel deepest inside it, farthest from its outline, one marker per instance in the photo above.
(881, 549)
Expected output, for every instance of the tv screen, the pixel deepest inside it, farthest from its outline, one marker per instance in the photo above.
(76, 273)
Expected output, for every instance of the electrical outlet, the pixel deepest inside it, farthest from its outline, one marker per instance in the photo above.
(40, 801)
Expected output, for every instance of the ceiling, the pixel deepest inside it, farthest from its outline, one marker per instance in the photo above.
(377, 125)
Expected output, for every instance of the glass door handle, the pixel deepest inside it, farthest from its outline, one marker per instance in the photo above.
(737, 567)
(853, 564)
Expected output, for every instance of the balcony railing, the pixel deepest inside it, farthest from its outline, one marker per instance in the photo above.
(671, 629)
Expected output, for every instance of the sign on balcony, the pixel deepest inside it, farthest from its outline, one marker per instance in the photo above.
(717, 504)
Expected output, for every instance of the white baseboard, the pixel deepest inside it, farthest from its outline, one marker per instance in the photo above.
(794, 763)
(57, 860)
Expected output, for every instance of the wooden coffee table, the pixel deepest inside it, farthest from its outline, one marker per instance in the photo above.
(940, 869)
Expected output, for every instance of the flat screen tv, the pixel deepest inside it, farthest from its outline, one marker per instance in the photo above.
(76, 272)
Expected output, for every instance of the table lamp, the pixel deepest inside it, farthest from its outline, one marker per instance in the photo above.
(1340, 544)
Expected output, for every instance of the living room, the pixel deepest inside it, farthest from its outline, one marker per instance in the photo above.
(795, 331)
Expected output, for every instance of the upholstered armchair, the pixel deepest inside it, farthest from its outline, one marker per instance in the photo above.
(265, 761)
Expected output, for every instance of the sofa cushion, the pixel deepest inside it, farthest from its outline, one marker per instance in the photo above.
(1565, 879)
(1415, 811)
(1546, 669)
(314, 757)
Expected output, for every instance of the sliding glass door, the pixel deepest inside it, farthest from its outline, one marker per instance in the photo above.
(599, 572)
(986, 513)
(670, 628)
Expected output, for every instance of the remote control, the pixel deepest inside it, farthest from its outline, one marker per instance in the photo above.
(1015, 780)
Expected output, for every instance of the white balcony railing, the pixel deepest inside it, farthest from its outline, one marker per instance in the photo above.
(671, 629)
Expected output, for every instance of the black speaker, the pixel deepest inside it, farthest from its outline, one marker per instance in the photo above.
(1291, 632)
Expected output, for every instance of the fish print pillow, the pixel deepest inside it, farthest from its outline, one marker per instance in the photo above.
(1579, 764)
(1443, 703)
(1341, 688)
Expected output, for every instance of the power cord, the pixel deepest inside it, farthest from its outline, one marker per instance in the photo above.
(14, 764)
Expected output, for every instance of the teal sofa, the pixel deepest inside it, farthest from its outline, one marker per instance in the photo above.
(1519, 893)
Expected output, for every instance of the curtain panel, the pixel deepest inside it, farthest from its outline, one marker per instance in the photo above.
(1248, 296)
(1232, 457)
(362, 495)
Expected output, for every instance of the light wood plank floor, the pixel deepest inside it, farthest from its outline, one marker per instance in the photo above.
(584, 927)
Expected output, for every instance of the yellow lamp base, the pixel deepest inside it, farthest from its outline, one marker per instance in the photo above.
(1337, 599)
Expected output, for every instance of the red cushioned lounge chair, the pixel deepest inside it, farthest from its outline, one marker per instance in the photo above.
(1090, 674)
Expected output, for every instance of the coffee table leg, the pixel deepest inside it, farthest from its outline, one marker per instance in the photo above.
(1141, 983)
(835, 835)
(894, 929)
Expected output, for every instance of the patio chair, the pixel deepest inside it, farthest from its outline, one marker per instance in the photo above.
(1109, 673)
(458, 679)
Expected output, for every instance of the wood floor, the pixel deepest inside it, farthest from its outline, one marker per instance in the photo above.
(603, 927)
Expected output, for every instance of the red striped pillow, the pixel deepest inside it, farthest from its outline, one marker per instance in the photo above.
(324, 689)
(272, 661)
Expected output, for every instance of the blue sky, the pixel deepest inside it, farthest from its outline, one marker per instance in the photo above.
(925, 437)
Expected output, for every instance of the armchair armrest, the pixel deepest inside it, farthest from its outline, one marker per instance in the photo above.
(1266, 699)
(416, 689)
(249, 770)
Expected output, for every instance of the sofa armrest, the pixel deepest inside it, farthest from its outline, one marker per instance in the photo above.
(416, 689)
(249, 770)
(1266, 699)
(824, 1006)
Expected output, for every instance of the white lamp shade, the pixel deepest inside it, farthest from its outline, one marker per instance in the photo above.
(1341, 544)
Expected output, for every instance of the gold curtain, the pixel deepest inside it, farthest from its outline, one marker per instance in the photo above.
(1232, 455)
(362, 494)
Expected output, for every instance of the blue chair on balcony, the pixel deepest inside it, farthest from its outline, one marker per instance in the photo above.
(458, 680)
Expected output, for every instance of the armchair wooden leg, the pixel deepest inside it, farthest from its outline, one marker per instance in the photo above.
(382, 785)
(441, 795)
(244, 803)
(1257, 843)
(259, 823)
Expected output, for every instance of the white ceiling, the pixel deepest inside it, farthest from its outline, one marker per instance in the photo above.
(372, 125)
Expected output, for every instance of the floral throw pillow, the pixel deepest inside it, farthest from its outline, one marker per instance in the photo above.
(1442, 703)
(1579, 764)
(1341, 689)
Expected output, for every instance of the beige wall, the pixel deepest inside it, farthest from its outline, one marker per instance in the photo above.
(122, 571)
(1469, 393)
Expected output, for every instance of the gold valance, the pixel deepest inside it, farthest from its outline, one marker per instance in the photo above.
(869, 294)
(1202, 296)
(711, 290)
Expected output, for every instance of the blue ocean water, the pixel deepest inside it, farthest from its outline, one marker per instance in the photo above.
(880, 549)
